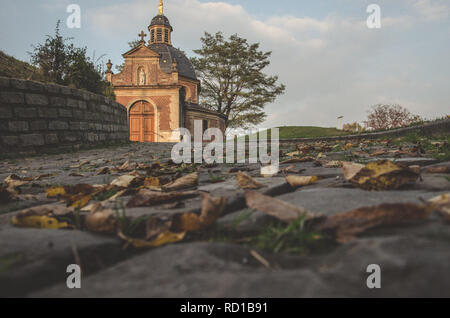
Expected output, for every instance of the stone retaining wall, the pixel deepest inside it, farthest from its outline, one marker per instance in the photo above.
(37, 117)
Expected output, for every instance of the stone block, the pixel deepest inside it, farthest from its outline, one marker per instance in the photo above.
(51, 139)
(65, 113)
(58, 101)
(25, 112)
(71, 102)
(45, 112)
(5, 82)
(12, 98)
(36, 99)
(18, 126)
(5, 112)
(10, 140)
(32, 140)
(58, 125)
(53, 88)
(36, 86)
(38, 125)
(18, 83)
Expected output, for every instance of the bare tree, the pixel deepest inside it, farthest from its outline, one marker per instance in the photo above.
(389, 116)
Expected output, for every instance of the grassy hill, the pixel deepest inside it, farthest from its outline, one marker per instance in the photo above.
(294, 132)
(308, 132)
(12, 67)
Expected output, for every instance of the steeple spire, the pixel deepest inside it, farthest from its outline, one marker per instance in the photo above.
(161, 7)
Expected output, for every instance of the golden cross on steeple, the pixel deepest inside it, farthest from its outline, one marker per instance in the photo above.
(142, 35)
(161, 7)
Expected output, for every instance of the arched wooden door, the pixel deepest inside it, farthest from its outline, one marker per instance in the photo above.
(142, 122)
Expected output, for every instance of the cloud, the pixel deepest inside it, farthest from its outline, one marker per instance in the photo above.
(331, 66)
(432, 10)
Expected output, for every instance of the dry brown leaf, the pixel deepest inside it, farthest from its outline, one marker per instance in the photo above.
(300, 181)
(245, 182)
(380, 152)
(383, 175)
(347, 225)
(101, 221)
(104, 170)
(298, 160)
(152, 183)
(125, 181)
(439, 169)
(188, 181)
(281, 210)
(147, 197)
(350, 169)
(441, 203)
(212, 209)
(13, 181)
(127, 166)
(74, 174)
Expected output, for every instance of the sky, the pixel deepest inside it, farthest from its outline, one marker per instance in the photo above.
(323, 51)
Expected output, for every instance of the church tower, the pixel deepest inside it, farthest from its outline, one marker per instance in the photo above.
(159, 87)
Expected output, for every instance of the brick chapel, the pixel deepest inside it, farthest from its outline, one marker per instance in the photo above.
(159, 88)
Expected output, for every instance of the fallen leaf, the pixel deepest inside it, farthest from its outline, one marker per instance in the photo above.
(300, 181)
(152, 183)
(383, 175)
(127, 166)
(281, 210)
(441, 203)
(104, 170)
(75, 174)
(188, 181)
(348, 146)
(13, 181)
(298, 160)
(125, 181)
(212, 209)
(150, 198)
(43, 216)
(347, 225)
(102, 221)
(246, 182)
(163, 239)
(350, 169)
(439, 169)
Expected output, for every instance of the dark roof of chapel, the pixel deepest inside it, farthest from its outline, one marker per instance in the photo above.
(160, 19)
(168, 53)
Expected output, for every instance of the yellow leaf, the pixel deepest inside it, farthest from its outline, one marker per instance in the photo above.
(40, 221)
(383, 175)
(300, 181)
(55, 191)
(163, 239)
(81, 203)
